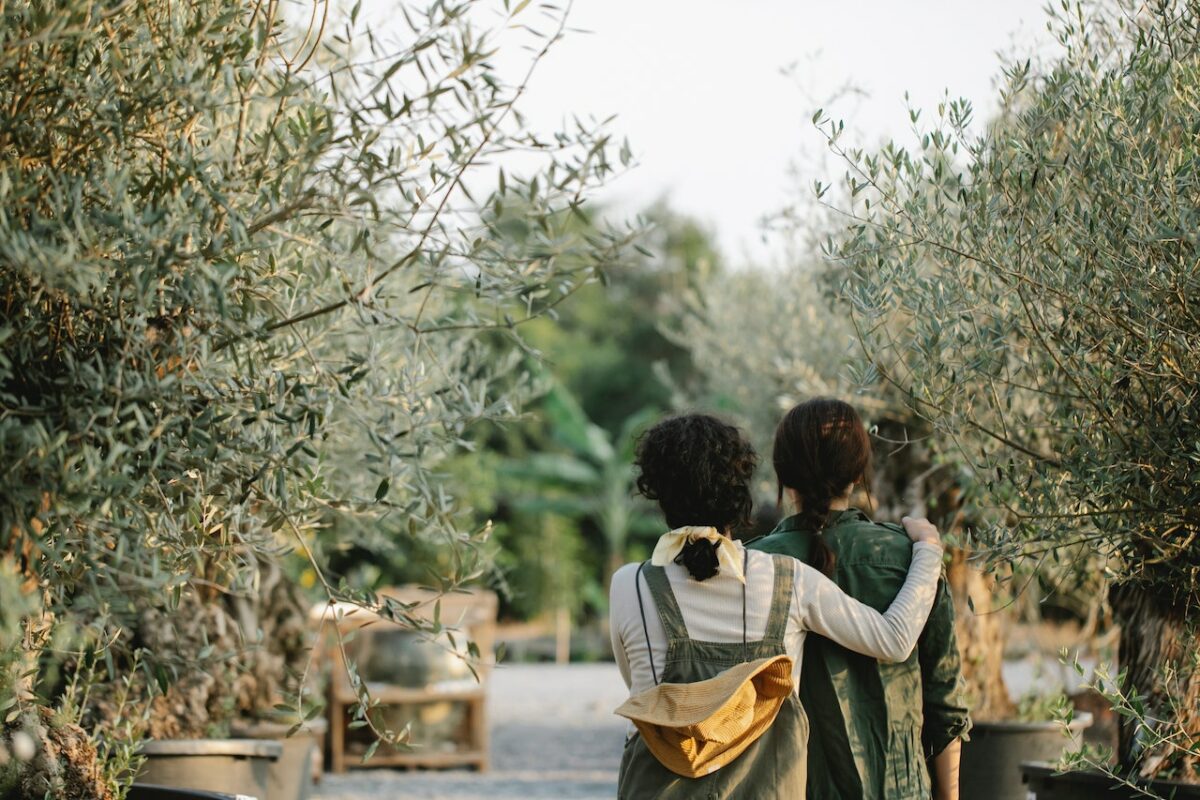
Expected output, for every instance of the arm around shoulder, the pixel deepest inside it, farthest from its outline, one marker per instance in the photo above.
(890, 636)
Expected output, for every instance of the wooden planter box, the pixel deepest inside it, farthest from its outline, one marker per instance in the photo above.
(460, 737)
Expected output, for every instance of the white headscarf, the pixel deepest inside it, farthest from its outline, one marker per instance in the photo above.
(671, 542)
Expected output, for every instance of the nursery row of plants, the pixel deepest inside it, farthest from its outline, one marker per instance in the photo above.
(291, 313)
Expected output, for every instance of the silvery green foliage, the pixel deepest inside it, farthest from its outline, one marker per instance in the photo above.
(1031, 292)
(1169, 738)
(244, 268)
(765, 339)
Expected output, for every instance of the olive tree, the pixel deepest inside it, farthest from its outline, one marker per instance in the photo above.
(763, 340)
(244, 263)
(1031, 293)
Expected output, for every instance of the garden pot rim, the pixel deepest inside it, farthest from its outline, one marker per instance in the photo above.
(245, 748)
(1045, 769)
(276, 729)
(1082, 719)
(193, 794)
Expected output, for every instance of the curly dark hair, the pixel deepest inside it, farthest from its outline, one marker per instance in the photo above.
(699, 470)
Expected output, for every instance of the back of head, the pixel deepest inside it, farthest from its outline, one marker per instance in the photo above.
(821, 448)
(699, 470)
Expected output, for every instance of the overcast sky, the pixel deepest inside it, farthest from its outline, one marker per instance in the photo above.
(698, 88)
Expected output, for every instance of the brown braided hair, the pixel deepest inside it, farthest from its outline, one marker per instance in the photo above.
(821, 447)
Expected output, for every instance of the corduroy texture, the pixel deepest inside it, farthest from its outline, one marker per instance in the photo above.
(694, 729)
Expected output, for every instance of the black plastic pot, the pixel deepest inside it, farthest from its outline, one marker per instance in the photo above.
(992, 759)
(1043, 783)
(146, 791)
(232, 766)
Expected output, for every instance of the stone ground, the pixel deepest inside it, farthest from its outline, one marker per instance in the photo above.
(553, 736)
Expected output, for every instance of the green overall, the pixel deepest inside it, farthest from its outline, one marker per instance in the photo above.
(775, 765)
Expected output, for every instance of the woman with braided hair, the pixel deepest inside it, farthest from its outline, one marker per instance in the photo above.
(889, 731)
(709, 635)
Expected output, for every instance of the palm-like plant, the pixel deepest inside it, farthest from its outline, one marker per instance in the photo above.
(589, 475)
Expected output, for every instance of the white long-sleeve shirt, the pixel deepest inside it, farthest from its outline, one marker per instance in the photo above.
(712, 612)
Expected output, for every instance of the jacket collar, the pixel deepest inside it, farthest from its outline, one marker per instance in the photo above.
(793, 523)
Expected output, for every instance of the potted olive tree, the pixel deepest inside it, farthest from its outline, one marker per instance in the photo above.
(241, 286)
(1030, 292)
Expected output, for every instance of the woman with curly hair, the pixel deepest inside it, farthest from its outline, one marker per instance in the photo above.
(709, 635)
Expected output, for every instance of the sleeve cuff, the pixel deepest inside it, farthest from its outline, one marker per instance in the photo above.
(937, 741)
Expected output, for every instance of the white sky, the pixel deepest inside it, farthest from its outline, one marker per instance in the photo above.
(698, 88)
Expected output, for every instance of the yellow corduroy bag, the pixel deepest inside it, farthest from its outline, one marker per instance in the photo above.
(694, 729)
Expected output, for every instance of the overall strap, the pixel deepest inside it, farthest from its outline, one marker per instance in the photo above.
(637, 585)
(781, 598)
(664, 600)
(745, 580)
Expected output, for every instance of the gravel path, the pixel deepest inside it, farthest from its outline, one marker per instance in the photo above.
(553, 736)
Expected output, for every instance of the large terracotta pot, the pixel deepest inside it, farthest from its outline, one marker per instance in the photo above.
(992, 759)
(233, 766)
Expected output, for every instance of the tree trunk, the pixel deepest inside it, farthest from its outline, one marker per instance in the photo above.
(1158, 656)
(278, 613)
(562, 635)
(980, 631)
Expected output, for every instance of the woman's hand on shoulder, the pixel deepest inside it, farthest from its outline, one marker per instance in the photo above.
(921, 530)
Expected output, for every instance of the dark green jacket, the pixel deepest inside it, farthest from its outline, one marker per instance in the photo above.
(873, 725)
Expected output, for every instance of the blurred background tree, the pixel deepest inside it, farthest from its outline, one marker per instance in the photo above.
(556, 484)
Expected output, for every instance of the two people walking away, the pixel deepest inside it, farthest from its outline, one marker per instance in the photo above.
(818, 661)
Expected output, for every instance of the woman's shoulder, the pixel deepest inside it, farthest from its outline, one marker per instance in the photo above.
(866, 540)
(778, 561)
(763, 556)
(624, 576)
(622, 595)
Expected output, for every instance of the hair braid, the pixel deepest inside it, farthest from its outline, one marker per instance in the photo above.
(821, 447)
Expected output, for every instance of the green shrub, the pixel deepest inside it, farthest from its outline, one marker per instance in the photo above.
(243, 266)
